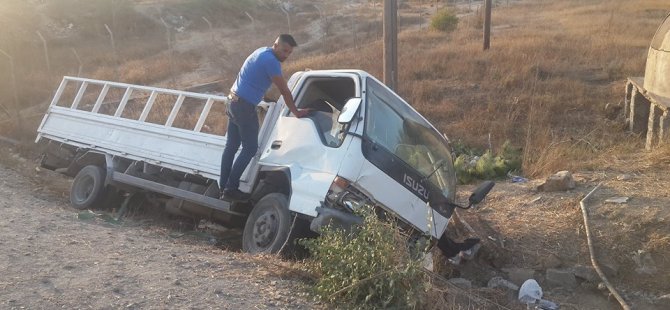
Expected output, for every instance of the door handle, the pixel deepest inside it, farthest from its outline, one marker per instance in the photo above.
(275, 144)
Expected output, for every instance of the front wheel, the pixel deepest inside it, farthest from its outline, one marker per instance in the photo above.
(268, 226)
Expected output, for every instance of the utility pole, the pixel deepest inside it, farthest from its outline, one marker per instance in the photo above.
(487, 24)
(391, 43)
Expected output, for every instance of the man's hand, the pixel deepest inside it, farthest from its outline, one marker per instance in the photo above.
(302, 113)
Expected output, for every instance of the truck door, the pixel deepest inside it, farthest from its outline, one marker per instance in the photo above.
(313, 147)
(407, 163)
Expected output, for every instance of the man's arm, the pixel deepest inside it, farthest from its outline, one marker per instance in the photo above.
(279, 81)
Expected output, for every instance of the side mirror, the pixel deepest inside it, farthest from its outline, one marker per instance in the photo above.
(349, 110)
(480, 193)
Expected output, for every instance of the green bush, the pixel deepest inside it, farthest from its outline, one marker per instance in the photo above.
(444, 20)
(512, 156)
(470, 167)
(370, 268)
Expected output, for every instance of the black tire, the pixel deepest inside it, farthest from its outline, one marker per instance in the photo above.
(268, 226)
(88, 187)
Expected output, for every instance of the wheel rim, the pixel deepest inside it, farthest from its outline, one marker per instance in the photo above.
(265, 228)
(84, 188)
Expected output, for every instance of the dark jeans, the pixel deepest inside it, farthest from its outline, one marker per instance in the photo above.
(242, 129)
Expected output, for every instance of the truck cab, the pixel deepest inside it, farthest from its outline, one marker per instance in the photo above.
(361, 145)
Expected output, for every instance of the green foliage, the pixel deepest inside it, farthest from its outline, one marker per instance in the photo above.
(370, 268)
(512, 156)
(470, 167)
(444, 20)
(460, 148)
(485, 166)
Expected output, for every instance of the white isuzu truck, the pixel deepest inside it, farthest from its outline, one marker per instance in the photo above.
(361, 145)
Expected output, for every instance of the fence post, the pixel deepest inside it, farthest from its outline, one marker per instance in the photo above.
(17, 109)
(116, 55)
(46, 52)
(170, 52)
(81, 65)
(253, 21)
(323, 22)
(211, 30)
(167, 33)
(288, 16)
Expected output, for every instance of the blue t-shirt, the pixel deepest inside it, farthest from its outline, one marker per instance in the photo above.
(256, 74)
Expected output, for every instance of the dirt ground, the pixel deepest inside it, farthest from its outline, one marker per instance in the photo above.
(53, 256)
(532, 230)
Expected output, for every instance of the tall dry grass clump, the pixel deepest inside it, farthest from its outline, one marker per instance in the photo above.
(552, 67)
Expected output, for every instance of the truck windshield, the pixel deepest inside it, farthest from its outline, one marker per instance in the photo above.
(393, 125)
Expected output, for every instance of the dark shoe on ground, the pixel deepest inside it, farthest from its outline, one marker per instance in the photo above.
(235, 195)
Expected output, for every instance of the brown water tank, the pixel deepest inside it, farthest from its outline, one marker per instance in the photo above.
(657, 72)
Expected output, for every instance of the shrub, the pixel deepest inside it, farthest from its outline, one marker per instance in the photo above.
(370, 268)
(444, 20)
(470, 167)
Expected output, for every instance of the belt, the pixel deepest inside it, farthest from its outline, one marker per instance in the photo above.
(233, 96)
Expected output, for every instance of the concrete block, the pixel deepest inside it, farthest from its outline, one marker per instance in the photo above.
(519, 275)
(561, 278)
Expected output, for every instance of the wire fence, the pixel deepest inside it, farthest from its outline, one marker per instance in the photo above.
(350, 23)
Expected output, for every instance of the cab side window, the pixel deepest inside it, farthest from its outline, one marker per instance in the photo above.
(325, 97)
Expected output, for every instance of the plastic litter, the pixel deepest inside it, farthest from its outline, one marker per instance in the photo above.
(617, 200)
(518, 179)
(530, 292)
(546, 305)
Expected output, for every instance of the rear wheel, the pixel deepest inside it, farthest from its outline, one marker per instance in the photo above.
(268, 226)
(88, 187)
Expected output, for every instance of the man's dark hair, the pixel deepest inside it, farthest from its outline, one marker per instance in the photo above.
(288, 39)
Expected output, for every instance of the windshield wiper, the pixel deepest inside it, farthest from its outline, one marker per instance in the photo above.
(440, 164)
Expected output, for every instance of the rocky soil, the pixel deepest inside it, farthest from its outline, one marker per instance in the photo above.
(53, 256)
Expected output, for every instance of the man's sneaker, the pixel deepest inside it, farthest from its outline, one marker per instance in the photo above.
(235, 195)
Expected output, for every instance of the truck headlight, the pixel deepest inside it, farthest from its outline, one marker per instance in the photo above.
(345, 196)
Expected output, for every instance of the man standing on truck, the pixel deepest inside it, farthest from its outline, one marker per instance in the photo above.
(261, 69)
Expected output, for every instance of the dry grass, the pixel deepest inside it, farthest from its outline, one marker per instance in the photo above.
(552, 67)
(150, 69)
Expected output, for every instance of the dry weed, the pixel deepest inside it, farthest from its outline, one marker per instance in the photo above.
(552, 67)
